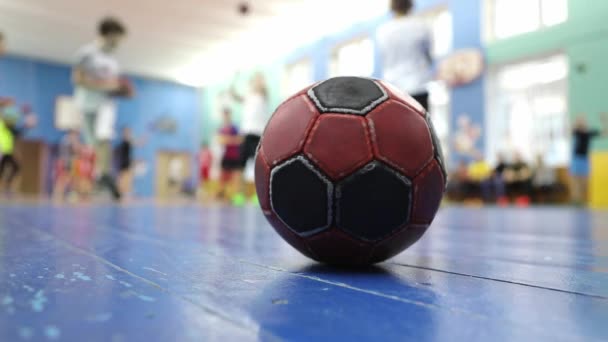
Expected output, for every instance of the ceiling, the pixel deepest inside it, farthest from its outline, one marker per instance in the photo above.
(194, 42)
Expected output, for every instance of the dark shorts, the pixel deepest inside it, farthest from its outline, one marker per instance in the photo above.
(231, 164)
(9, 167)
(249, 148)
(423, 99)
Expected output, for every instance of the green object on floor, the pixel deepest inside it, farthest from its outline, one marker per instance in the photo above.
(254, 199)
(238, 199)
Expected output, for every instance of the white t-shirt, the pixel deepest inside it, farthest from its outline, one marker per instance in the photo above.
(105, 121)
(255, 114)
(102, 65)
(404, 44)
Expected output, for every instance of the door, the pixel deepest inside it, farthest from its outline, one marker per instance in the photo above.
(173, 168)
(32, 156)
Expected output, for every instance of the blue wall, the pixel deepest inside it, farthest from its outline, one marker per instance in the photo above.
(39, 83)
(468, 99)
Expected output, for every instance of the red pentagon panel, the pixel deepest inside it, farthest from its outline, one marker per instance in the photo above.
(338, 247)
(262, 180)
(402, 97)
(289, 236)
(286, 131)
(339, 144)
(401, 137)
(428, 191)
(397, 242)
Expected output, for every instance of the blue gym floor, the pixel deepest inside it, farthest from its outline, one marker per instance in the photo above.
(145, 272)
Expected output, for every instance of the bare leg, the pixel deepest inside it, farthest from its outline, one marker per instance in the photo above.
(585, 189)
(122, 182)
(11, 170)
(61, 185)
(125, 181)
(577, 189)
(221, 190)
(103, 165)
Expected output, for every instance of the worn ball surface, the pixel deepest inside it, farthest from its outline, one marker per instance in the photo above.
(350, 171)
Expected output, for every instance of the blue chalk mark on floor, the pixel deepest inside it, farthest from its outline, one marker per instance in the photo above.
(25, 333)
(145, 272)
(52, 332)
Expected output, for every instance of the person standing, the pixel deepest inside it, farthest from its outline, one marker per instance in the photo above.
(579, 167)
(205, 161)
(124, 160)
(404, 44)
(65, 167)
(13, 124)
(96, 77)
(255, 116)
(228, 136)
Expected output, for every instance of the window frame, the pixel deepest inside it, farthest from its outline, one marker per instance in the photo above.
(494, 102)
(286, 83)
(489, 21)
(335, 51)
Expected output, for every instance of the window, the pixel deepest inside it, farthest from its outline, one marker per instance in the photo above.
(528, 110)
(508, 18)
(553, 12)
(355, 58)
(440, 21)
(296, 76)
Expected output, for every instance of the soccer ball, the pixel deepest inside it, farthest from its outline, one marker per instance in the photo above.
(350, 171)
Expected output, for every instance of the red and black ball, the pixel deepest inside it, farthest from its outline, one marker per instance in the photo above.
(350, 171)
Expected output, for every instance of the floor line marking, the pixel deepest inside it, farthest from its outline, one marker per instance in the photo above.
(502, 281)
(358, 289)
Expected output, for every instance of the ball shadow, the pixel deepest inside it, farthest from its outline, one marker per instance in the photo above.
(322, 302)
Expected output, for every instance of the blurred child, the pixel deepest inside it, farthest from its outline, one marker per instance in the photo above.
(124, 160)
(499, 181)
(459, 179)
(69, 148)
(579, 168)
(96, 78)
(229, 137)
(85, 170)
(544, 180)
(13, 123)
(255, 116)
(205, 160)
(518, 177)
(479, 175)
(405, 48)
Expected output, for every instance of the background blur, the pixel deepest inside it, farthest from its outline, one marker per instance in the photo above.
(544, 63)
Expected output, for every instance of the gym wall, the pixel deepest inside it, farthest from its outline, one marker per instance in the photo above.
(39, 83)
